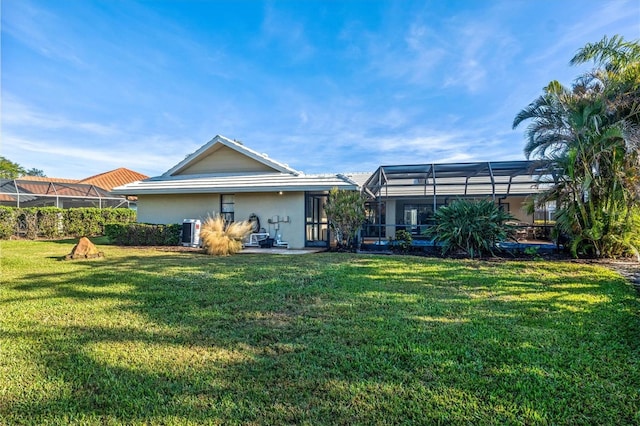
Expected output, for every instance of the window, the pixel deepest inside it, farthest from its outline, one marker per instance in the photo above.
(227, 207)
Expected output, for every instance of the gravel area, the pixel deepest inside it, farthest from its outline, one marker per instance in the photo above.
(627, 268)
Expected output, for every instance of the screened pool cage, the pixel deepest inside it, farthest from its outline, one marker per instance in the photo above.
(26, 193)
(405, 197)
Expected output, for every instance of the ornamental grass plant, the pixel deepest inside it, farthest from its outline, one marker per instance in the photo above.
(221, 239)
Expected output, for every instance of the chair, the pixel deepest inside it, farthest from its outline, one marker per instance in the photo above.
(279, 243)
(520, 230)
(255, 239)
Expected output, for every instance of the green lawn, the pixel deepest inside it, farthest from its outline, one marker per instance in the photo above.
(145, 336)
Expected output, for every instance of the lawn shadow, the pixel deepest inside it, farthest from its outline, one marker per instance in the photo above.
(268, 340)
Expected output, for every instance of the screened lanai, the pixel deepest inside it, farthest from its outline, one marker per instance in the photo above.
(406, 196)
(36, 193)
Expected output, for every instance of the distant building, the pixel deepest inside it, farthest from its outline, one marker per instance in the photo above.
(94, 191)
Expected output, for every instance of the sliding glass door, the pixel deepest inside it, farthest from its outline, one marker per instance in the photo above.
(317, 225)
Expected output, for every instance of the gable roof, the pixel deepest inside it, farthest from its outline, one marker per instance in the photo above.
(220, 141)
(271, 176)
(111, 179)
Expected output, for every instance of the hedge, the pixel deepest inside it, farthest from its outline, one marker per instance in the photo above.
(53, 222)
(142, 234)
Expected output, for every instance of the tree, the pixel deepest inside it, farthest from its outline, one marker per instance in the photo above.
(35, 172)
(9, 169)
(345, 212)
(590, 133)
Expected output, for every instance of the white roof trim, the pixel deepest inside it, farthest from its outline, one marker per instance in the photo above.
(236, 146)
(267, 182)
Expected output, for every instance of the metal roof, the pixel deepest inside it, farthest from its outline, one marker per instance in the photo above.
(229, 183)
(495, 178)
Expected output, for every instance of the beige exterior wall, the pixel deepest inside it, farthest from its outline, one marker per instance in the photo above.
(225, 160)
(517, 208)
(174, 208)
(268, 205)
(168, 209)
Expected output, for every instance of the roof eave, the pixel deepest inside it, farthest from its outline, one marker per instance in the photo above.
(229, 190)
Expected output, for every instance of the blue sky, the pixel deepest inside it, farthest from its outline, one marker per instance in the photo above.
(324, 86)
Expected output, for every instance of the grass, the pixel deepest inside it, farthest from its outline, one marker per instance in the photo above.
(152, 337)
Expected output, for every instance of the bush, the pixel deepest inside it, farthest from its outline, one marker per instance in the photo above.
(470, 226)
(27, 223)
(53, 222)
(83, 222)
(8, 222)
(345, 213)
(219, 240)
(403, 241)
(143, 234)
(50, 222)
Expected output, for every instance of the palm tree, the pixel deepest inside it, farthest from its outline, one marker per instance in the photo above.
(591, 132)
(548, 132)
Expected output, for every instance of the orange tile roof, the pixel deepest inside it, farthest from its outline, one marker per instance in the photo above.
(111, 179)
(48, 179)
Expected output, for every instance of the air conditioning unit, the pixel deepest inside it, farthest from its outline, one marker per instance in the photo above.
(191, 232)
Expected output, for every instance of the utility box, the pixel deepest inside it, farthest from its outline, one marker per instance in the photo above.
(191, 232)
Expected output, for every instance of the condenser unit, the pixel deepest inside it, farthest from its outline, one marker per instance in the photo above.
(191, 232)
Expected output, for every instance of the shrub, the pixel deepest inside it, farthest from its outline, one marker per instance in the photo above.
(50, 222)
(470, 226)
(27, 223)
(402, 241)
(54, 222)
(83, 222)
(143, 234)
(346, 213)
(7, 222)
(219, 240)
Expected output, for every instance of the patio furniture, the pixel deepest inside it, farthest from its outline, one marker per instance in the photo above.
(255, 239)
(266, 243)
(521, 230)
(280, 243)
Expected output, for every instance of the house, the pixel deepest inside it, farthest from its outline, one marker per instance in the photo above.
(113, 178)
(228, 178)
(94, 191)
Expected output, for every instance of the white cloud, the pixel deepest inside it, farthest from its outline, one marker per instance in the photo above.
(34, 27)
(18, 115)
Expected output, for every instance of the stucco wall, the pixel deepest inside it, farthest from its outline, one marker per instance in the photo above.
(268, 205)
(517, 208)
(174, 208)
